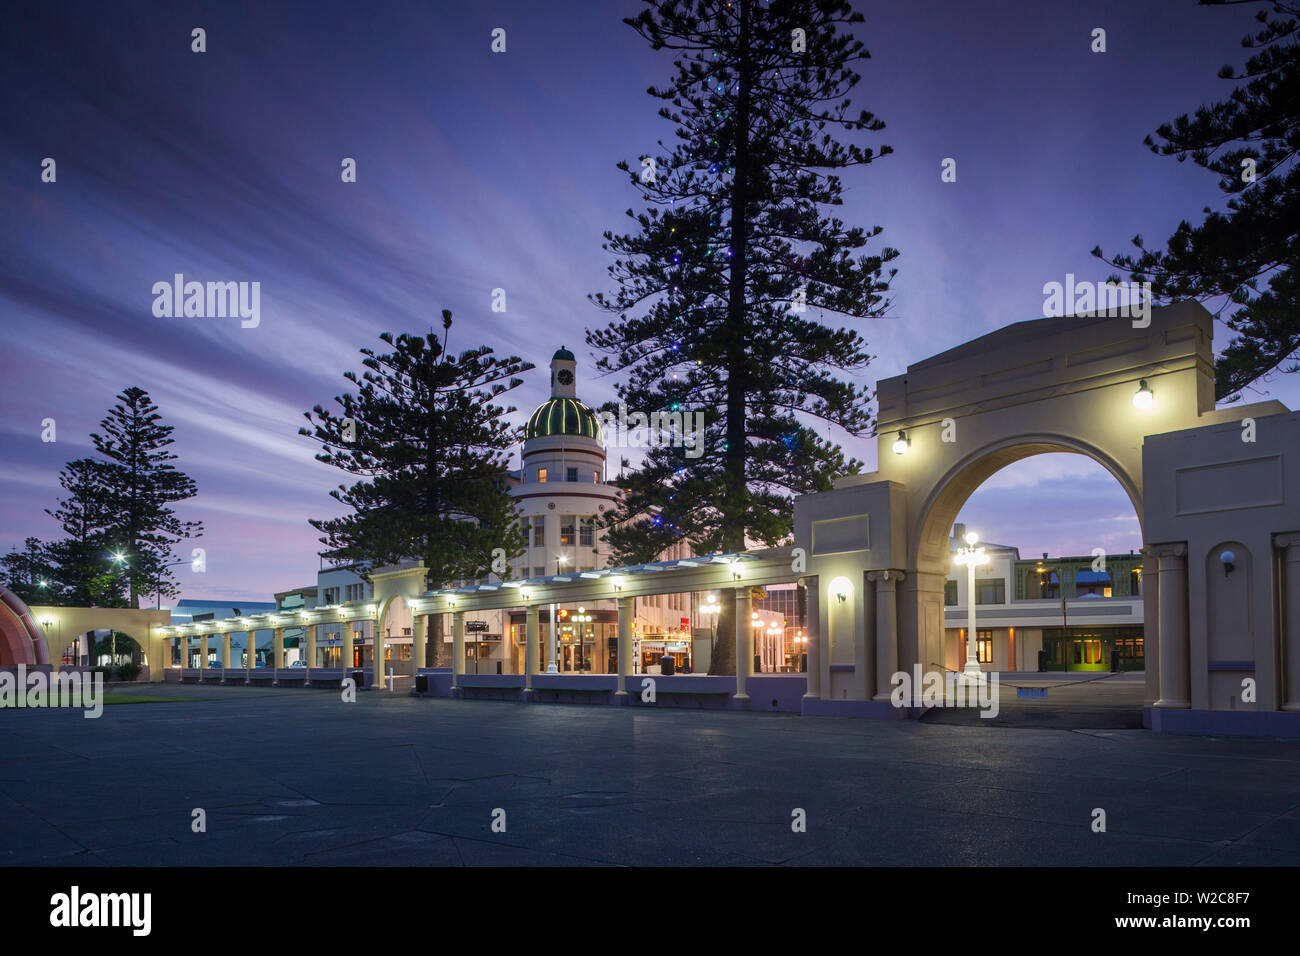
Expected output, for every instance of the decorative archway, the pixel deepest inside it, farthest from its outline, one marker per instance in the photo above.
(1091, 385)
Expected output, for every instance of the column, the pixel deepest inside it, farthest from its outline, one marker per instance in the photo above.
(1175, 668)
(813, 631)
(532, 631)
(251, 636)
(203, 654)
(886, 630)
(225, 650)
(864, 643)
(1290, 619)
(277, 647)
(744, 640)
(625, 614)
(311, 647)
(347, 646)
(418, 625)
(1150, 588)
(182, 646)
(380, 644)
(457, 648)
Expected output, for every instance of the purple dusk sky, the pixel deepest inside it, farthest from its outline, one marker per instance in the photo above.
(479, 170)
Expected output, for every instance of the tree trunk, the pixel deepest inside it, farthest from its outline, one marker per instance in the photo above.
(723, 660)
(434, 648)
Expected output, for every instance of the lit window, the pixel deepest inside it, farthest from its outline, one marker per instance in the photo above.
(984, 647)
(568, 530)
(541, 475)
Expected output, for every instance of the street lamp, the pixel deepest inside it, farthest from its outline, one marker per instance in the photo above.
(551, 668)
(971, 556)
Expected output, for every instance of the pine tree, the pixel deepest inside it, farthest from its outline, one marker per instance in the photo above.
(1244, 261)
(85, 572)
(32, 575)
(139, 485)
(715, 283)
(430, 450)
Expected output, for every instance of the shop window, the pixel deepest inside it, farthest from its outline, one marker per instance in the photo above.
(984, 647)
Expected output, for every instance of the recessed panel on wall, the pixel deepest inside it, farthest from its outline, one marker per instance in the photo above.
(836, 535)
(1253, 483)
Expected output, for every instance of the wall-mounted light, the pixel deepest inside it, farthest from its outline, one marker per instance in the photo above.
(902, 443)
(1144, 396)
(617, 581)
(840, 588)
(736, 571)
(1227, 557)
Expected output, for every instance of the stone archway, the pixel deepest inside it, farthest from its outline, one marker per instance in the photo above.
(929, 557)
(1068, 384)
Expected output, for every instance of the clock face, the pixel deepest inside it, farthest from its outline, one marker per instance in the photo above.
(565, 377)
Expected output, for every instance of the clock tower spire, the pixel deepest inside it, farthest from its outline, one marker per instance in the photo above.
(563, 382)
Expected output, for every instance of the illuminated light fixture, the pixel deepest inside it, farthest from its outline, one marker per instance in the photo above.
(1143, 397)
(840, 588)
(617, 581)
(1228, 559)
(902, 443)
(734, 564)
(972, 538)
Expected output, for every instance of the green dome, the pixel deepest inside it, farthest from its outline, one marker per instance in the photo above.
(563, 355)
(563, 416)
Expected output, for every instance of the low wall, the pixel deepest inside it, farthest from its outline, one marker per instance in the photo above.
(777, 693)
(1226, 723)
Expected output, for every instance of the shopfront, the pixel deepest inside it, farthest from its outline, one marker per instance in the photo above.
(1094, 649)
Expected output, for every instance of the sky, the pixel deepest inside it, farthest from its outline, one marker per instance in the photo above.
(479, 170)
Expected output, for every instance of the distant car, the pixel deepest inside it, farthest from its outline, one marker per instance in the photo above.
(298, 664)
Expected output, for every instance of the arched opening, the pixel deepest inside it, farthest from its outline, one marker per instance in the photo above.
(396, 627)
(1058, 595)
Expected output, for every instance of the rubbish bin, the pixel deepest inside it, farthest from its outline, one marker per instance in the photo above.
(666, 665)
(422, 683)
(1042, 661)
(359, 677)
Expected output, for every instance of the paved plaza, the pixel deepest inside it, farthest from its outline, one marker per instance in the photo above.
(299, 777)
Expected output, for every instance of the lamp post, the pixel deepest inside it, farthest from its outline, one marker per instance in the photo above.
(551, 668)
(971, 556)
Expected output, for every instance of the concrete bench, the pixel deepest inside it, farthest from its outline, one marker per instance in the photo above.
(291, 675)
(262, 674)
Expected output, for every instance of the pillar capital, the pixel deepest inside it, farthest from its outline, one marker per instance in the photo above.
(886, 577)
(1176, 549)
(1289, 540)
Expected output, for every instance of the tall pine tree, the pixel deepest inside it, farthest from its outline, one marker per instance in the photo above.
(715, 283)
(1244, 261)
(430, 452)
(139, 486)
